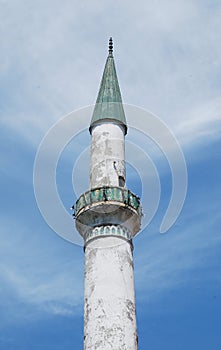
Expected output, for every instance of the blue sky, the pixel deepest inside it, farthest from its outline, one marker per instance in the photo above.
(168, 60)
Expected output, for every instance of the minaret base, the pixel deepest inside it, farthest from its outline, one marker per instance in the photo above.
(109, 308)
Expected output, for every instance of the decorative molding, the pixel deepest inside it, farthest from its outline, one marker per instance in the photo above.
(108, 230)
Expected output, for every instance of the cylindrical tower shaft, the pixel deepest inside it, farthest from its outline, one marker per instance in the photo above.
(109, 311)
(107, 166)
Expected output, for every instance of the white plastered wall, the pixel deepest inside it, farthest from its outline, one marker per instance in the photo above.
(107, 155)
(110, 317)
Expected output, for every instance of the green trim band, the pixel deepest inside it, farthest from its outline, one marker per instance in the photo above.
(108, 230)
(108, 194)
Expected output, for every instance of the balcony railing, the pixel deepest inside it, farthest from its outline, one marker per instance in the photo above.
(119, 195)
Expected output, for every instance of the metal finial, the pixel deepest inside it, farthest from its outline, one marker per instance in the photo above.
(110, 46)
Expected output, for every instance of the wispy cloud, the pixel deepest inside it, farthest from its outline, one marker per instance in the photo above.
(188, 251)
(55, 67)
(36, 275)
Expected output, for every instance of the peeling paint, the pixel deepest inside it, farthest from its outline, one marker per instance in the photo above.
(110, 316)
(109, 301)
(107, 146)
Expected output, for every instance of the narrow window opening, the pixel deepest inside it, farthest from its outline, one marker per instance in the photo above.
(121, 181)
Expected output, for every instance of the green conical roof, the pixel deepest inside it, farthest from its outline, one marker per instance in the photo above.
(109, 102)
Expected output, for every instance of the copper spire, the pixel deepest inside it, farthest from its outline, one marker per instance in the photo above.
(109, 104)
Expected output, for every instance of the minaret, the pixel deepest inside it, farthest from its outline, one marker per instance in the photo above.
(108, 216)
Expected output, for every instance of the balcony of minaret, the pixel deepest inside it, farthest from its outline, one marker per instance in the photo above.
(108, 206)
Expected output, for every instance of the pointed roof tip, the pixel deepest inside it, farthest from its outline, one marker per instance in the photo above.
(110, 46)
(109, 104)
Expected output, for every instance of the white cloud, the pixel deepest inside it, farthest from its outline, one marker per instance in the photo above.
(37, 275)
(172, 259)
(168, 60)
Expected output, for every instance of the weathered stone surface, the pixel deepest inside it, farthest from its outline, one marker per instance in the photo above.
(110, 317)
(107, 155)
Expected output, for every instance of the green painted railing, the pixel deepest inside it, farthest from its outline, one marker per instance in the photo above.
(106, 194)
